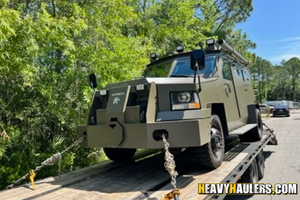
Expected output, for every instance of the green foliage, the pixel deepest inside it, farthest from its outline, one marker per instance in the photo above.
(49, 47)
(279, 82)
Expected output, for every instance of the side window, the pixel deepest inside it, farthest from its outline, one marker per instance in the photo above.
(239, 72)
(226, 72)
(245, 74)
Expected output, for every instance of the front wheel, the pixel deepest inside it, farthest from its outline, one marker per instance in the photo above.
(211, 155)
(119, 155)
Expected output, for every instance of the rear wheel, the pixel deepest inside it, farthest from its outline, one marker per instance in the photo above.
(254, 134)
(119, 155)
(260, 159)
(211, 155)
(251, 174)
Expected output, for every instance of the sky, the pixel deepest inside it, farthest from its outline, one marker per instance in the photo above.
(274, 25)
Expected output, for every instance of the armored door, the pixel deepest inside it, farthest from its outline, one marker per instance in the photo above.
(242, 89)
(230, 101)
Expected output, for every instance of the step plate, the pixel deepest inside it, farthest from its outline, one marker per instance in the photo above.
(243, 129)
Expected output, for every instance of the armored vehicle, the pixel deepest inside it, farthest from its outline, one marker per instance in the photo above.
(194, 99)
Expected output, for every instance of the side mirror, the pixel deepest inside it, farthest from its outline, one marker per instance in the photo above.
(93, 80)
(198, 58)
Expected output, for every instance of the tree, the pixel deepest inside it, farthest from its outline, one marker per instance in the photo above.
(293, 68)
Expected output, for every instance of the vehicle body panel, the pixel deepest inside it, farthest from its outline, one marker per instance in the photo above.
(130, 114)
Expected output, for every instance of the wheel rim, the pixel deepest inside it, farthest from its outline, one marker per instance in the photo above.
(216, 142)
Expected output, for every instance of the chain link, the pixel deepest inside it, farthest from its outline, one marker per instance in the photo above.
(170, 162)
(50, 161)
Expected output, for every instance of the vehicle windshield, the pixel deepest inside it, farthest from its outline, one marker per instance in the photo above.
(280, 106)
(180, 67)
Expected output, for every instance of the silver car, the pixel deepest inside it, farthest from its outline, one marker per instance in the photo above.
(264, 108)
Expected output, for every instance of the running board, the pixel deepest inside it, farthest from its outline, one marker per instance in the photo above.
(243, 129)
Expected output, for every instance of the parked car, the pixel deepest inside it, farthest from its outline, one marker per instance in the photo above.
(281, 110)
(264, 108)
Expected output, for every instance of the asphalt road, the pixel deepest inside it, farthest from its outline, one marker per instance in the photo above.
(282, 161)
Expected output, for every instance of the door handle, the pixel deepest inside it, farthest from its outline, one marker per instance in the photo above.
(227, 89)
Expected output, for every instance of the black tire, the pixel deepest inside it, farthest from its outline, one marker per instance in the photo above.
(260, 159)
(288, 115)
(211, 155)
(119, 155)
(251, 174)
(254, 134)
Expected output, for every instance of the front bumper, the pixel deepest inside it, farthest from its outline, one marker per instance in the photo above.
(281, 113)
(183, 133)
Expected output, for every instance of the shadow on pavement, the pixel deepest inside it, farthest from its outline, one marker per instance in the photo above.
(267, 154)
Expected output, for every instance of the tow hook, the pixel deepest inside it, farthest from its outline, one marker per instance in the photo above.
(158, 134)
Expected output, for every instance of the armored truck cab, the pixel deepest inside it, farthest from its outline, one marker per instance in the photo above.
(194, 99)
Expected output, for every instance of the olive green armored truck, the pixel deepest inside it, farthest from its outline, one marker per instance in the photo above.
(194, 99)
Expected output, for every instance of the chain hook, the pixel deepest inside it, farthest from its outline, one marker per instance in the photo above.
(31, 177)
(174, 194)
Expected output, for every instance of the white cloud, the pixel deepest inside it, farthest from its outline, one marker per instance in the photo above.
(288, 39)
(279, 58)
(287, 50)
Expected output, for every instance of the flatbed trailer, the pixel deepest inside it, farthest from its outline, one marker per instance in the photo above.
(145, 178)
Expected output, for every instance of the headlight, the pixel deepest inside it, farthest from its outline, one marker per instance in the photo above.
(184, 100)
(184, 97)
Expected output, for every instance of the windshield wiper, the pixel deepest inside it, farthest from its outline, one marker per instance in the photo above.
(181, 75)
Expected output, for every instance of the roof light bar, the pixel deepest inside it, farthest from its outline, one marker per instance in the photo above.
(180, 48)
(210, 41)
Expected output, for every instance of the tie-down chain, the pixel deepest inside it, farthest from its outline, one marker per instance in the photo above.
(48, 161)
(170, 167)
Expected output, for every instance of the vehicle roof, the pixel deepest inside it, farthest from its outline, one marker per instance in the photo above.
(164, 59)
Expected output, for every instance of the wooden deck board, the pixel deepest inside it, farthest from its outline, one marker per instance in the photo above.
(51, 186)
(134, 181)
